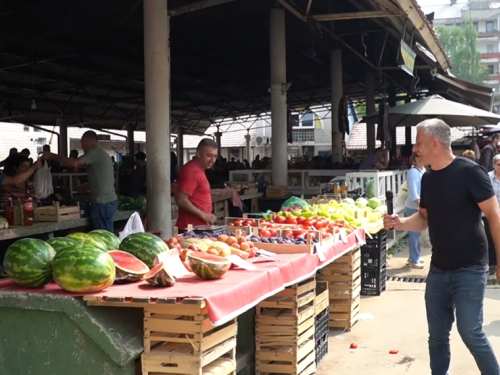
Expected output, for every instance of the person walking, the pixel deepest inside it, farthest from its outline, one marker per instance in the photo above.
(453, 194)
(412, 203)
(495, 183)
(489, 151)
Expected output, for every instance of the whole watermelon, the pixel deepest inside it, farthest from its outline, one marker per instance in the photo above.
(59, 243)
(83, 269)
(110, 240)
(144, 246)
(28, 262)
(87, 239)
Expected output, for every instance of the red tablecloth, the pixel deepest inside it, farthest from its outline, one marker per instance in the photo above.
(228, 297)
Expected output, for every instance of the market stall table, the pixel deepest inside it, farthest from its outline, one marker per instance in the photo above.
(254, 200)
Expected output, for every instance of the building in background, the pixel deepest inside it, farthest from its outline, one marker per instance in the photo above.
(485, 15)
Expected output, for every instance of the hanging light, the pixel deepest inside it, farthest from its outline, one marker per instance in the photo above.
(33, 105)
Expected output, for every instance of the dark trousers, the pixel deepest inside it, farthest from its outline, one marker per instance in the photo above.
(101, 215)
(492, 255)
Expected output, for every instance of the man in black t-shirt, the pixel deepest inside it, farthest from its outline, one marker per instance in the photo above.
(453, 194)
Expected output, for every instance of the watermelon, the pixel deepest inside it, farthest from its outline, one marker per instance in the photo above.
(159, 276)
(110, 240)
(129, 269)
(28, 262)
(87, 239)
(207, 266)
(59, 243)
(144, 246)
(83, 269)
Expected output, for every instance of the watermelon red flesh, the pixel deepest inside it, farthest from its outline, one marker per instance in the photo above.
(83, 269)
(207, 266)
(110, 240)
(144, 246)
(59, 243)
(28, 262)
(129, 269)
(159, 276)
(88, 240)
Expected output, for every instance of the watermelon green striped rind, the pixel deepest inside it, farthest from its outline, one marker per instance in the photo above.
(59, 243)
(110, 240)
(83, 269)
(129, 269)
(144, 246)
(207, 266)
(28, 262)
(159, 276)
(87, 239)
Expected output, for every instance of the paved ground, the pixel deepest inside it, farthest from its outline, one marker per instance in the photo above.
(399, 323)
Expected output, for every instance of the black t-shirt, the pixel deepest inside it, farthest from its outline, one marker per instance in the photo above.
(451, 196)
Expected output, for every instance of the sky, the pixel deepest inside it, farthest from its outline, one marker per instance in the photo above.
(437, 2)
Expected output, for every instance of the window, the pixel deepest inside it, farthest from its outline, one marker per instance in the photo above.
(36, 130)
(490, 26)
(234, 153)
(26, 128)
(302, 121)
(476, 26)
(302, 135)
(490, 48)
(490, 69)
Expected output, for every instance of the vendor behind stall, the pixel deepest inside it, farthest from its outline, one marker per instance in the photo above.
(21, 165)
(193, 190)
(20, 176)
(374, 161)
(101, 179)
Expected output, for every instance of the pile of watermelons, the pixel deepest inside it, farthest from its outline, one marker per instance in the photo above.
(131, 204)
(86, 263)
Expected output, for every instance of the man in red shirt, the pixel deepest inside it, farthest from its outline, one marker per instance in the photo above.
(193, 190)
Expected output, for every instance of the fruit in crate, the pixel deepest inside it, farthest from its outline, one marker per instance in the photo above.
(282, 240)
(129, 269)
(221, 248)
(207, 266)
(159, 276)
(28, 262)
(83, 269)
(243, 223)
(112, 242)
(194, 244)
(144, 246)
(59, 243)
(374, 203)
(87, 239)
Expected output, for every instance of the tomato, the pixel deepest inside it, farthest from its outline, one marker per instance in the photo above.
(265, 233)
(300, 219)
(251, 222)
(272, 232)
(238, 223)
(230, 224)
(279, 220)
(393, 351)
(297, 232)
(354, 346)
(290, 220)
(245, 223)
(307, 222)
(288, 233)
(306, 227)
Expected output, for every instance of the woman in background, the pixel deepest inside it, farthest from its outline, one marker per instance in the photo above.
(20, 165)
(469, 154)
(412, 204)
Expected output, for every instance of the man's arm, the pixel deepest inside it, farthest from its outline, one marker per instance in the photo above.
(414, 223)
(492, 213)
(185, 204)
(380, 166)
(20, 178)
(63, 160)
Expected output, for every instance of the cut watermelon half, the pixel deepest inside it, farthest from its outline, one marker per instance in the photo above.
(159, 276)
(129, 269)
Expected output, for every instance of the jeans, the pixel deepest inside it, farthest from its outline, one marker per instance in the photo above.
(460, 293)
(414, 237)
(101, 215)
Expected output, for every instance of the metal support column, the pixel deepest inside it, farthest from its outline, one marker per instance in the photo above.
(157, 100)
(370, 108)
(180, 147)
(218, 140)
(279, 88)
(337, 93)
(131, 141)
(392, 129)
(247, 144)
(63, 136)
(408, 141)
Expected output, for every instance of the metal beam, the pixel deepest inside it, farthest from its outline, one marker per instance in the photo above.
(197, 6)
(355, 15)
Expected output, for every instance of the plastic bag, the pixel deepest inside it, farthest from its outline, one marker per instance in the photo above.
(43, 182)
(402, 194)
(134, 225)
(424, 239)
(293, 203)
(370, 188)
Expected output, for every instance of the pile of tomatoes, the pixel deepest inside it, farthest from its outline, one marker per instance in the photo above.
(243, 223)
(298, 227)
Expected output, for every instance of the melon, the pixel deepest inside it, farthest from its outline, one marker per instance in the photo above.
(222, 248)
(144, 246)
(129, 269)
(207, 241)
(159, 276)
(110, 240)
(207, 266)
(59, 243)
(88, 240)
(194, 241)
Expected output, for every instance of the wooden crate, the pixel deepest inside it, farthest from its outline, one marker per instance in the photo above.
(275, 191)
(344, 287)
(284, 332)
(321, 301)
(220, 210)
(179, 338)
(56, 213)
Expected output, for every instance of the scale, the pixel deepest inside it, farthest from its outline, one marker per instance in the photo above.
(215, 230)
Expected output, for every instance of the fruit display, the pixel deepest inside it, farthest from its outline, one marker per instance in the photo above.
(83, 269)
(28, 262)
(207, 266)
(129, 269)
(59, 243)
(144, 246)
(131, 204)
(159, 276)
(244, 222)
(110, 239)
(88, 240)
(4, 224)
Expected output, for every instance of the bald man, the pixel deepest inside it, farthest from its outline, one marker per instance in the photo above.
(100, 176)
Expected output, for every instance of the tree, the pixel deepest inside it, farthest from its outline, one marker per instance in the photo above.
(460, 44)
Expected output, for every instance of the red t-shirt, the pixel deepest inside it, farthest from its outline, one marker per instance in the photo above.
(193, 182)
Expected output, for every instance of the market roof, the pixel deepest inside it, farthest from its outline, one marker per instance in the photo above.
(84, 59)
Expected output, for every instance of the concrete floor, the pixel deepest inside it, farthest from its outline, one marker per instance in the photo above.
(400, 323)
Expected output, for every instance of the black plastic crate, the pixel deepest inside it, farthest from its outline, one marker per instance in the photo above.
(377, 239)
(373, 257)
(373, 282)
(321, 348)
(321, 324)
